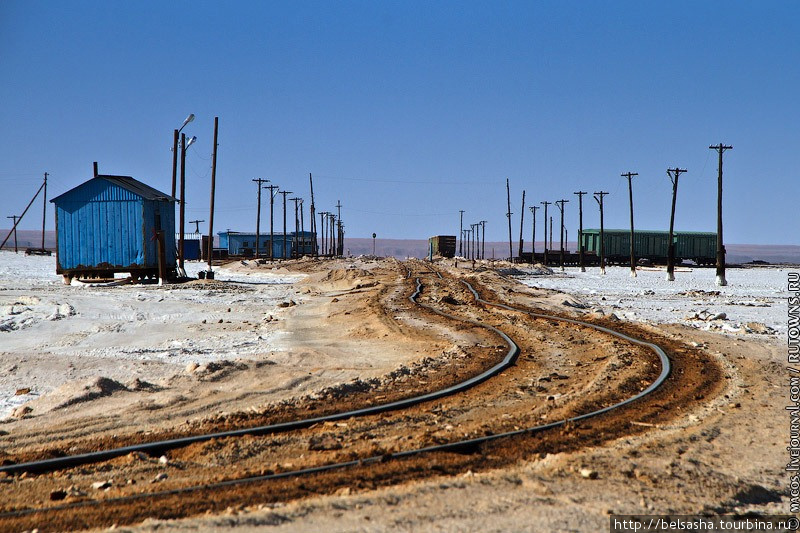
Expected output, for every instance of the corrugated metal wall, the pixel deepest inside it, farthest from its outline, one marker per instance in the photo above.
(101, 225)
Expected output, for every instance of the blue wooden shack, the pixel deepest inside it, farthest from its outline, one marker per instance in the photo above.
(108, 225)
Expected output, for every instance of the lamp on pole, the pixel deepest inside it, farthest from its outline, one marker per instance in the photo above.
(184, 146)
(175, 149)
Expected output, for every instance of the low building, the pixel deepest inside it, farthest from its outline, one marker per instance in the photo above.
(109, 224)
(239, 243)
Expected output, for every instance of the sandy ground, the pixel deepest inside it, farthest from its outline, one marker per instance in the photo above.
(204, 348)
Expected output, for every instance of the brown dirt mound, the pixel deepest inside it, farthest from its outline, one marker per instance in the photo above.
(342, 279)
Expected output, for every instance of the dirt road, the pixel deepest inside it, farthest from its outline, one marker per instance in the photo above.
(709, 440)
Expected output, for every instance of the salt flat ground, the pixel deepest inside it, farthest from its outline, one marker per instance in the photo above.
(727, 456)
(51, 333)
(752, 295)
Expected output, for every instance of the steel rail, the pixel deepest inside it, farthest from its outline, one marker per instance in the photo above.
(159, 447)
(467, 445)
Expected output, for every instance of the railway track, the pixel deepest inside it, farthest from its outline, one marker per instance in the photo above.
(382, 461)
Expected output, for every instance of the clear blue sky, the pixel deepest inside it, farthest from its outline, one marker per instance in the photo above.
(409, 111)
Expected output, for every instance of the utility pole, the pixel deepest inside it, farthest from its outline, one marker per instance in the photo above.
(560, 204)
(272, 194)
(15, 217)
(322, 216)
(44, 208)
(174, 159)
(182, 209)
(313, 223)
(630, 176)
(461, 234)
(331, 228)
(599, 201)
(175, 149)
(508, 214)
(545, 204)
(302, 230)
(295, 251)
(674, 174)
(476, 249)
(258, 182)
(340, 246)
(483, 239)
(533, 234)
(721, 281)
(580, 229)
(284, 193)
(210, 273)
(22, 215)
(196, 225)
(521, 221)
(551, 232)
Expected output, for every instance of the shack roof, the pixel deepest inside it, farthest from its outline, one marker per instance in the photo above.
(129, 184)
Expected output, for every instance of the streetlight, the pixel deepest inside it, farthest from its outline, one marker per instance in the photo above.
(175, 149)
(184, 146)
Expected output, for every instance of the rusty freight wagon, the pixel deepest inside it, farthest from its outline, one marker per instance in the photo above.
(109, 224)
(443, 245)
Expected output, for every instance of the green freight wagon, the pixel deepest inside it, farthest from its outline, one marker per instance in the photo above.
(443, 245)
(699, 247)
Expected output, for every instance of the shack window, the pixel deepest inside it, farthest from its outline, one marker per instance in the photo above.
(245, 243)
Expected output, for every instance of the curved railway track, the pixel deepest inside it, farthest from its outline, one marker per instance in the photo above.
(468, 445)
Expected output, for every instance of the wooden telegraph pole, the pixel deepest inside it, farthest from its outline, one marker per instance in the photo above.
(313, 222)
(674, 174)
(630, 176)
(461, 235)
(322, 216)
(44, 208)
(508, 214)
(339, 232)
(210, 273)
(533, 234)
(296, 252)
(271, 220)
(258, 182)
(560, 204)
(483, 239)
(196, 225)
(284, 193)
(580, 229)
(598, 196)
(521, 222)
(15, 217)
(721, 281)
(182, 210)
(545, 204)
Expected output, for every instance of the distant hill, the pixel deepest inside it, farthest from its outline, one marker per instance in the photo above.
(402, 248)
